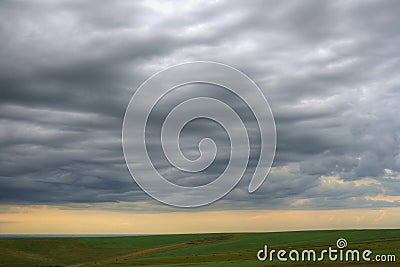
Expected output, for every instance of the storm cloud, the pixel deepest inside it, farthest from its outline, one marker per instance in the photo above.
(329, 69)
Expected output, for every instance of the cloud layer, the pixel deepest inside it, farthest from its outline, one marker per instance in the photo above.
(328, 69)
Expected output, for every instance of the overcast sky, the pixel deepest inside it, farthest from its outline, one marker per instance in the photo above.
(329, 69)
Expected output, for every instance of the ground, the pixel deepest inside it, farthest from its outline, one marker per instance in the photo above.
(218, 249)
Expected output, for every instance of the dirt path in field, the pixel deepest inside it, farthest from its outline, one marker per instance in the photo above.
(133, 254)
(151, 250)
(197, 242)
(205, 240)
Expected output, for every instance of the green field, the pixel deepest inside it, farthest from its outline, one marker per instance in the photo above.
(226, 249)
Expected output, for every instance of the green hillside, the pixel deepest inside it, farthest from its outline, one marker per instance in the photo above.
(225, 249)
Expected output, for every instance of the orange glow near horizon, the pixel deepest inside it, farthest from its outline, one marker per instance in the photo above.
(63, 220)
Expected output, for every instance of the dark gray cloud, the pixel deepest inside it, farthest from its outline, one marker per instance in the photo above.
(328, 69)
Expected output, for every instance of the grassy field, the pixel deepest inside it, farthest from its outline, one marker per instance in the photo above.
(233, 249)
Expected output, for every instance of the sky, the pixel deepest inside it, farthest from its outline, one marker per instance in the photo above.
(329, 70)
